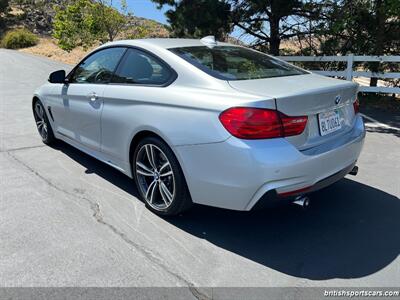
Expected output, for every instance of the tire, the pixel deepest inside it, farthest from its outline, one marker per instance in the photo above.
(159, 178)
(42, 123)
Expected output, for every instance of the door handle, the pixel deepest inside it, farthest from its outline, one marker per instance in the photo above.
(93, 97)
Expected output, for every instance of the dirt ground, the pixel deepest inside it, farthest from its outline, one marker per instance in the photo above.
(48, 47)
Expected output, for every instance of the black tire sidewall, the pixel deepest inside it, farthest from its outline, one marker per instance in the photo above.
(50, 135)
(182, 199)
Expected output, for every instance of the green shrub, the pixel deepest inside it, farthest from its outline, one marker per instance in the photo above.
(19, 38)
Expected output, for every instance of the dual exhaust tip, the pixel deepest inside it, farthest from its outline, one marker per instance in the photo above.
(303, 201)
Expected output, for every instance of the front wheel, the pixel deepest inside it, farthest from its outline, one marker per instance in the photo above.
(159, 178)
(42, 123)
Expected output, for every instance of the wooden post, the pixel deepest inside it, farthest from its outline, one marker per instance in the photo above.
(349, 69)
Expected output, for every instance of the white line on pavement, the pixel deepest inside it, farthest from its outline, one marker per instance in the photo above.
(377, 123)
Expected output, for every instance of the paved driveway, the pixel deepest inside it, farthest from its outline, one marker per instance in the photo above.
(68, 220)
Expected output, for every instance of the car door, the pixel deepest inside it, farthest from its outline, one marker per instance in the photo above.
(77, 108)
(131, 98)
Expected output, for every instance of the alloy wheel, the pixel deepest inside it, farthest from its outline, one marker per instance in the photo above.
(155, 176)
(41, 121)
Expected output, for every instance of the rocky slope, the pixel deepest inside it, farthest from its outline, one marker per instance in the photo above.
(38, 17)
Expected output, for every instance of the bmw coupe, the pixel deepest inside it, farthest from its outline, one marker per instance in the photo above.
(200, 121)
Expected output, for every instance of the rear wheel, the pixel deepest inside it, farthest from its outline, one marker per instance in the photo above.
(159, 178)
(42, 123)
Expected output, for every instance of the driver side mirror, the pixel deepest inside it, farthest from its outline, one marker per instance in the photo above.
(58, 77)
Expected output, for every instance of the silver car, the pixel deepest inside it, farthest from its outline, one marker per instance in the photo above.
(199, 121)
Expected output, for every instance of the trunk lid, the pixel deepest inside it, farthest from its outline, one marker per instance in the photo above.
(308, 95)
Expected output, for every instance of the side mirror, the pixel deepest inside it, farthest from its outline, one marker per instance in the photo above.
(57, 77)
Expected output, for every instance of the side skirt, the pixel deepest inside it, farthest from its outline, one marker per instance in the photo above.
(122, 167)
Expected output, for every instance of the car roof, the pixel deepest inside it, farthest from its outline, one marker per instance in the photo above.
(165, 43)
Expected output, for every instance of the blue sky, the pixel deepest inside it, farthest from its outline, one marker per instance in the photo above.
(147, 9)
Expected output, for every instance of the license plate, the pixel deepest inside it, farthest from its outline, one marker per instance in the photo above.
(329, 122)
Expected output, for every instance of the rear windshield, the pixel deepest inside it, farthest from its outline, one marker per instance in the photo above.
(235, 63)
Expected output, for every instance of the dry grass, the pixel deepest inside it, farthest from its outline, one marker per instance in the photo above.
(291, 45)
(48, 47)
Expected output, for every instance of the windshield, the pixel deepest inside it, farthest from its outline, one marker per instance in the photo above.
(235, 63)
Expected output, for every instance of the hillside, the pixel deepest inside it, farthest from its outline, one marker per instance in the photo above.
(38, 18)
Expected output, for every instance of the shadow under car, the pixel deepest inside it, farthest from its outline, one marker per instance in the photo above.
(351, 230)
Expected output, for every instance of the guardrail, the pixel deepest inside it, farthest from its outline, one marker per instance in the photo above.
(349, 73)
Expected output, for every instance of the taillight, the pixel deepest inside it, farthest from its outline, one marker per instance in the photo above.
(259, 123)
(356, 106)
(251, 123)
(293, 125)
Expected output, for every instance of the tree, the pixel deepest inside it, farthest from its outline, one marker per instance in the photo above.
(198, 18)
(3, 9)
(3, 6)
(363, 27)
(85, 22)
(271, 21)
(74, 25)
(266, 21)
(110, 20)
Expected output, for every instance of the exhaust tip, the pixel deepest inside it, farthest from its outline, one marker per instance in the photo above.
(303, 201)
(354, 171)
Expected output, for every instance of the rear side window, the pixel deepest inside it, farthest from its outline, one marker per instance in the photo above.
(235, 63)
(138, 67)
(98, 67)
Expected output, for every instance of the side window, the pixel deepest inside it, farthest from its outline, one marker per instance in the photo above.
(99, 67)
(139, 67)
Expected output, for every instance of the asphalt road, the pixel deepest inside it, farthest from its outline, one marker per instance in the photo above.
(68, 220)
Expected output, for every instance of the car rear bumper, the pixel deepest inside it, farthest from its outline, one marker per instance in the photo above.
(272, 198)
(236, 174)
